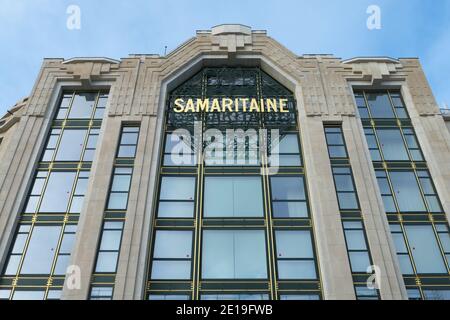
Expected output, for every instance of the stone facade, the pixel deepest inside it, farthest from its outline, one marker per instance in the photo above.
(138, 85)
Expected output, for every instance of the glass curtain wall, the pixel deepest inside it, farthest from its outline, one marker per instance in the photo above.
(418, 223)
(222, 230)
(40, 253)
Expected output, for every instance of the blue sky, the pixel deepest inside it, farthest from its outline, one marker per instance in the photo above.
(33, 29)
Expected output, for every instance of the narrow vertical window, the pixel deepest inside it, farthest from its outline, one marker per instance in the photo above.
(352, 220)
(114, 217)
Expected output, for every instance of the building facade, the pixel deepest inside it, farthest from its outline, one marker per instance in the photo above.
(229, 169)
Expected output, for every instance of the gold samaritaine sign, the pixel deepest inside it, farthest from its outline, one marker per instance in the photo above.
(231, 105)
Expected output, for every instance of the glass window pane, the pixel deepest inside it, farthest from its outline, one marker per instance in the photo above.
(294, 244)
(99, 113)
(363, 113)
(427, 185)
(335, 139)
(171, 270)
(365, 293)
(233, 197)
(32, 204)
(341, 170)
(289, 144)
(411, 141)
(61, 265)
(77, 204)
(185, 160)
(437, 294)
(352, 225)
(177, 188)
(380, 105)
(113, 225)
(359, 261)
(92, 141)
(81, 187)
(414, 294)
(173, 139)
(395, 228)
(89, 155)
(57, 193)
(287, 188)
(416, 155)
(371, 141)
(294, 269)
(344, 183)
(235, 297)
(111, 240)
(130, 129)
(168, 297)
(29, 295)
(285, 160)
(173, 244)
(176, 209)
(401, 113)
(337, 152)
(48, 155)
(400, 244)
(360, 101)
(13, 265)
(126, 152)
(4, 294)
(65, 101)
(54, 294)
(392, 145)
(106, 262)
(123, 170)
(19, 244)
(67, 243)
(433, 204)
(355, 240)
(121, 183)
(397, 100)
(375, 155)
(389, 204)
(407, 191)
(105, 292)
(384, 186)
(405, 264)
(290, 209)
(71, 145)
(118, 201)
(445, 241)
(84, 174)
(299, 297)
(102, 100)
(425, 249)
(61, 114)
(38, 186)
(129, 138)
(234, 254)
(41, 250)
(347, 201)
(82, 106)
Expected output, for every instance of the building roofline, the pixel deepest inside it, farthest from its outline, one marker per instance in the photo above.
(90, 59)
(371, 59)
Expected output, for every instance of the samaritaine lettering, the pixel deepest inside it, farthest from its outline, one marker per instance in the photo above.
(231, 105)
